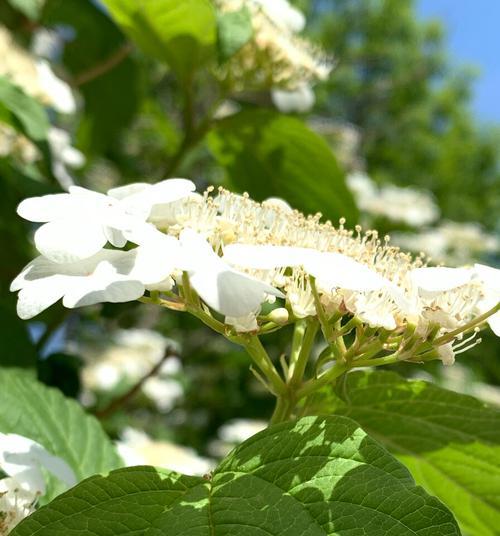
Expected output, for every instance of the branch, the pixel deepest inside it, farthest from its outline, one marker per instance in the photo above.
(126, 397)
(106, 65)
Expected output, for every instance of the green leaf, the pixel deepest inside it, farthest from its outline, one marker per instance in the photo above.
(25, 113)
(272, 155)
(449, 441)
(314, 477)
(182, 34)
(29, 8)
(43, 414)
(234, 30)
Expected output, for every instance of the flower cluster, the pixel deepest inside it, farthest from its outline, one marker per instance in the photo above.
(451, 242)
(248, 267)
(22, 461)
(407, 205)
(275, 56)
(34, 75)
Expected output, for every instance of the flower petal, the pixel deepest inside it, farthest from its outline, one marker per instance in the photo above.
(38, 295)
(489, 276)
(104, 285)
(48, 207)
(265, 257)
(494, 323)
(440, 279)
(229, 292)
(65, 241)
(334, 270)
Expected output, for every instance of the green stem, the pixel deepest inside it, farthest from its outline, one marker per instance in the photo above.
(296, 372)
(298, 337)
(327, 377)
(257, 352)
(281, 410)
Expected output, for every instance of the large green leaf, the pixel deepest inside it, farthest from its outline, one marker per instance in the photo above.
(22, 111)
(108, 77)
(270, 154)
(314, 477)
(450, 442)
(43, 414)
(183, 34)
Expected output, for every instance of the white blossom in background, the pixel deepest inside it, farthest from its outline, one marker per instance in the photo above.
(124, 357)
(299, 100)
(22, 461)
(275, 57)
(450, 242)
(34, 75)
(407, 205)
(16, 145)
(137, 448)
(233, 433)
(64, 155)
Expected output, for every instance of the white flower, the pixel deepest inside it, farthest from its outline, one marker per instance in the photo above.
(226, 290)
(239, 430)
(490, 278)
(450, 242)
(81, 222)
(164, 392)
(22, 460)
(137, 448)
(283, 14)
(33, 75)
(409, 205)
(108, 276)
(63, 154)
(59, 93)
(299, 100)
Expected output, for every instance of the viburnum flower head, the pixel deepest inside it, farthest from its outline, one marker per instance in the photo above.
(226, 255)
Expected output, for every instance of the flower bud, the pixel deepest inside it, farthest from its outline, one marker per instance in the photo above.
(279, 316)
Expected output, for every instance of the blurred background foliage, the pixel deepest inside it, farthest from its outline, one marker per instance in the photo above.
(393, 112)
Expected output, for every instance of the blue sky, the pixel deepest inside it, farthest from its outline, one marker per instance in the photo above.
(474, 38)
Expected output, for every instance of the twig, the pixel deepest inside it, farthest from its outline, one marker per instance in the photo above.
(122, 400)
(101, 68)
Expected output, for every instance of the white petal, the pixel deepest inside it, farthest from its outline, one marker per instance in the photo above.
(489, 276)
(21, 458)
(65, 241)
(48, 207)
(265, 257)
(36, 296)
(57, 466)
(440, 279)
(229, 292)
(129, 189)
(104, 285)
(115, 237)
(494, 323)
(334, 270)
(166, 191)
